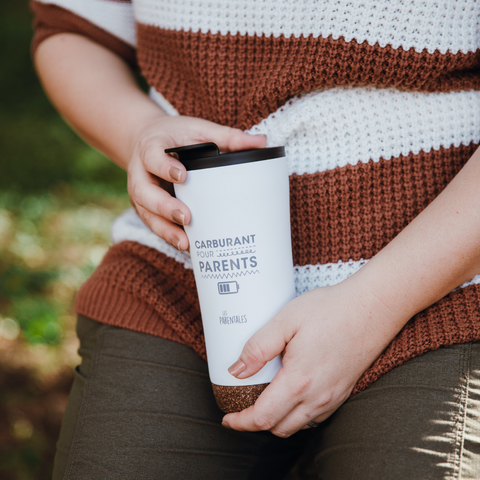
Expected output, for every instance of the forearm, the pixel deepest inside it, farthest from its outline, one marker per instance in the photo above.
(437, 252)
(96, 92)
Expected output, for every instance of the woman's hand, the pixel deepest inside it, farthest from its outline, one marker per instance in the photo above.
(150, 168)
(329, 337)
(97, 93)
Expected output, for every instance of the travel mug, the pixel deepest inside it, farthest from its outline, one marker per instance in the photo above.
(240, 244)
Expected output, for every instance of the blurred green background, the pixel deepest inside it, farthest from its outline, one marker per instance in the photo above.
(58, 198)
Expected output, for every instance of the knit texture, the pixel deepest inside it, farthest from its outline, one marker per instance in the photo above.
(377, 104)
(367, 124)
(352, 212)
(136, 287)
(236, 62)
(247, 78)
(409, 24)
(165, 305)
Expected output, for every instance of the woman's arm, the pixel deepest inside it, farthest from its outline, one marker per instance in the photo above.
(332, 335)
(96, 92)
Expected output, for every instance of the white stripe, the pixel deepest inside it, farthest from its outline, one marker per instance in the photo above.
(443, 25)
(162, 102)
(129, 226)
(309, 277)
(342, 126)
(474, 281)
(114, 17)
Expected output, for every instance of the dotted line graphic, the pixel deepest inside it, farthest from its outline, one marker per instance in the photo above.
(233, 248)
(219, 276)
(235, 253)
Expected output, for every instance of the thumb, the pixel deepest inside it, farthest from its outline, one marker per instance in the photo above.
(263, 346)
(232, 139)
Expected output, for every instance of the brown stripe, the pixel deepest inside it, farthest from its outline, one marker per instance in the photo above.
(239, 80)
(352, 212)
(51, 19)
(138, 288)
(454, 319)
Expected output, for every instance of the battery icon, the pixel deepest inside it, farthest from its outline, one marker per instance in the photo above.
(224, 288)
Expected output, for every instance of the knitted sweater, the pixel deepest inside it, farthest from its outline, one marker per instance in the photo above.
(376, 102)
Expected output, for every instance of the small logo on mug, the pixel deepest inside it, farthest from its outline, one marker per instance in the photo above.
(225, 288)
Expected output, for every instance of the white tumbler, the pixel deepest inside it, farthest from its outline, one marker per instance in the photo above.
(240, 244)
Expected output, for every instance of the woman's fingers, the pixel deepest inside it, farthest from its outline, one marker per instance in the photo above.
(275, 402)
(292, 399)
(151, 148)
(144, 192)
(150, 166)
(263, 346)
(299, 418)
(157, 208)
(285, 406)
(151, 151)
(165, 229)
(317, 375)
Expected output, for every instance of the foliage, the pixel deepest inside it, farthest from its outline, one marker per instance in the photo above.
(38, 151)
(49, 244)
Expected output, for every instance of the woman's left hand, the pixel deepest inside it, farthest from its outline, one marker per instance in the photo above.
(329, 337)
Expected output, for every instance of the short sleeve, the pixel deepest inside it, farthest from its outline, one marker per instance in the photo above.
(110, 23)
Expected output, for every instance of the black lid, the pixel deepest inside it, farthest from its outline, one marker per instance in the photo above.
(207, 155)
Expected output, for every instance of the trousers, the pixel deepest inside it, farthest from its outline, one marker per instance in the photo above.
(142, 407)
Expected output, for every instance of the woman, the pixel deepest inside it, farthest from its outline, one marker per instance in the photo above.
(378, 106)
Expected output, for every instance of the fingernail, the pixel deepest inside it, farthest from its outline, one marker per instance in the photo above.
(175, 242)
(175, 173)
(226, 425)
(178, 217)
(237, 368)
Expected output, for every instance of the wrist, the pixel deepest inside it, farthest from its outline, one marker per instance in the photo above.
(147, 122)
(379, 309)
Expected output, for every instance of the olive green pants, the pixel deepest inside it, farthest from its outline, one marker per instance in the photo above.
(141, 407)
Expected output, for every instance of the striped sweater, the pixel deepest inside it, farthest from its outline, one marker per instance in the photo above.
(376, 102)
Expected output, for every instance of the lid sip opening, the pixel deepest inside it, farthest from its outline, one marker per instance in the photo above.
(207, 155)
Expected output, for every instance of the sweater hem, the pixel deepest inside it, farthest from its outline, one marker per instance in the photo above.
(116, 295)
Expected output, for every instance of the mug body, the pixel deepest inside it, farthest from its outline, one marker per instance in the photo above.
(240, 245)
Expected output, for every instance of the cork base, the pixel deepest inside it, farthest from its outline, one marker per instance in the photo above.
(236, 399)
